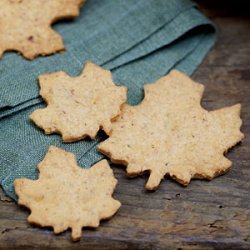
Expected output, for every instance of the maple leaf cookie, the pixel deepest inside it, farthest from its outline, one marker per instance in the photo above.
(79, 106)
(169, 133)
(67, 196)
(25, 25)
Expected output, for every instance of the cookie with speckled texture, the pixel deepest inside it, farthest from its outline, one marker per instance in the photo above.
(66, 196)
(169, 133)
(79, 106)
(25, 25)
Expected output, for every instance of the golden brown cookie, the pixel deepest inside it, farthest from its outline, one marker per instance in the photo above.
(66, 196)
(169, 133)
(79, 106)
(25, 25)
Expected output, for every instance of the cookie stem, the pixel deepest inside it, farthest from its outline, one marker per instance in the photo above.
(153, 181)
(76, 232)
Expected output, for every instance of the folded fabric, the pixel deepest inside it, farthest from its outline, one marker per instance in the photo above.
(140, 41)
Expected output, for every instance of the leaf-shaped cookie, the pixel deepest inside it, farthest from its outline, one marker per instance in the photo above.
(169, 133)
(25, 25)
(79, 106)
(66, 196)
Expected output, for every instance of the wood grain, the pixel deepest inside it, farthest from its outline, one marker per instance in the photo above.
(204, 215)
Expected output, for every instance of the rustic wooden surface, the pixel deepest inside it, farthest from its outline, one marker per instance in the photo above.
(205, 215)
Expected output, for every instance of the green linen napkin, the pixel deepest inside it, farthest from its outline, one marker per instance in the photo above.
(139, 40)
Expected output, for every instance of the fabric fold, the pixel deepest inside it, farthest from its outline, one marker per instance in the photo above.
(169, 33)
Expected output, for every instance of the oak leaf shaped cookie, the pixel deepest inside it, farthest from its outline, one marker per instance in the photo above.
(79, 106)
(25, 25)
(169, 133)
(66, 196)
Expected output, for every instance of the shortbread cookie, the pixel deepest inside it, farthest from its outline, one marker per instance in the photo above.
(25, 25)
(79, 106)
(169, 133)
(66, 196)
